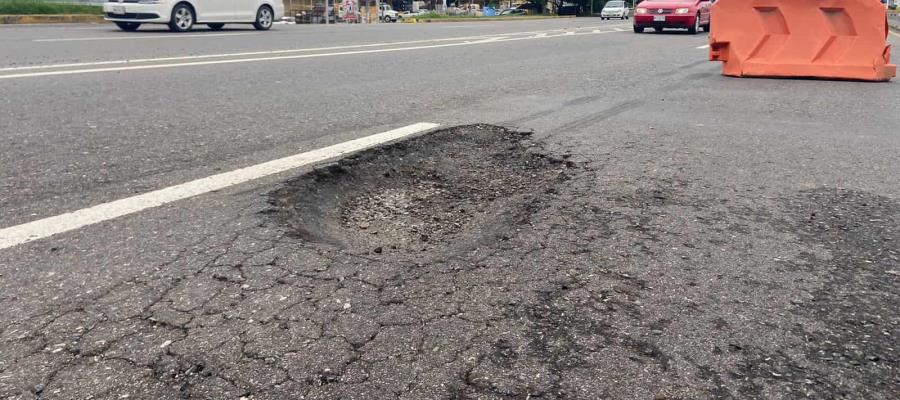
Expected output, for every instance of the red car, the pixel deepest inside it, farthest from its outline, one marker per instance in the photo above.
(692, 15)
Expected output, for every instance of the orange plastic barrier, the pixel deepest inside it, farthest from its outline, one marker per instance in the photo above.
(833, 39)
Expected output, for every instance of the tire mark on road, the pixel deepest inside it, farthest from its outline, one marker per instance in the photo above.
(603, 114)
(582, 100)
(531, 117)
(679, 68)
(569, 103)
(612, 111)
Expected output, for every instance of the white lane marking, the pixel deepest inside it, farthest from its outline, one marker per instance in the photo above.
(492, 39)
(894, 33)
(619, 29)
(705, 46)
(286, 51)
(43, 228)
(272, 58)
(169, 36)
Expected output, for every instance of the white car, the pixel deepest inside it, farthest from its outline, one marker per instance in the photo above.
(182, 15)
(414, 14)
(614, 9)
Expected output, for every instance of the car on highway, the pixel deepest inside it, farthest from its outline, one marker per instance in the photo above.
(414, 14)
(530, 8)
(182, 15)
(512, 12)
(692, 15)
(614, 9)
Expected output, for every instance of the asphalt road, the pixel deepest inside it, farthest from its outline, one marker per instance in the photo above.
(694, 236)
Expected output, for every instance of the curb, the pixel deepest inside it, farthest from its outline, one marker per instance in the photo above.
(51, 19)
(482, 19)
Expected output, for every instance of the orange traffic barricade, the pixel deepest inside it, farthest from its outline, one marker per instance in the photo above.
(831, 39)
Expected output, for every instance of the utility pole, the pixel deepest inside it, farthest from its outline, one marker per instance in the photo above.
(377, 11)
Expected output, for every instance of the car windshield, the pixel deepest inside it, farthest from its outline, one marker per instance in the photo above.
(615, 4)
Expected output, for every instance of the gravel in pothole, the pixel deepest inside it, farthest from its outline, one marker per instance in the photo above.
(455, 186)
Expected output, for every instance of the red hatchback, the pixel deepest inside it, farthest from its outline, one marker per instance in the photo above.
(692, 15)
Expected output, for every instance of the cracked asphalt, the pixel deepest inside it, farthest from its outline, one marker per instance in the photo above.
(645, 229)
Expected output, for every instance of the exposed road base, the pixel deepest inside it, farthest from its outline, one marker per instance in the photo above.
(458, 187)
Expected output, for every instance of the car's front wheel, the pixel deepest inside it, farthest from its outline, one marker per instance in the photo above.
(693, 30)
(128, 26)
(264, 18)
(638, 29)
(182, 18)
(216, 27)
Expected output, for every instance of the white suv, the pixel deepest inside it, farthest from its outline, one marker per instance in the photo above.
(181, 15)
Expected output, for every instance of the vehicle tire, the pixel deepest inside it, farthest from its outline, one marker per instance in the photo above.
(182, 18)
(638, 29)
(386, 19)
(216, 27)
(264, 18)
(128, 26)
(693, 30)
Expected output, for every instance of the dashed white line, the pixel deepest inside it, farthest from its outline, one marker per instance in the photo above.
(705, 46)
(43, 228)
(488, 40)
(170, 36)
(894, 33)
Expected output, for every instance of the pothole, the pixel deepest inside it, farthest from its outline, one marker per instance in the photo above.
(460, 185)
